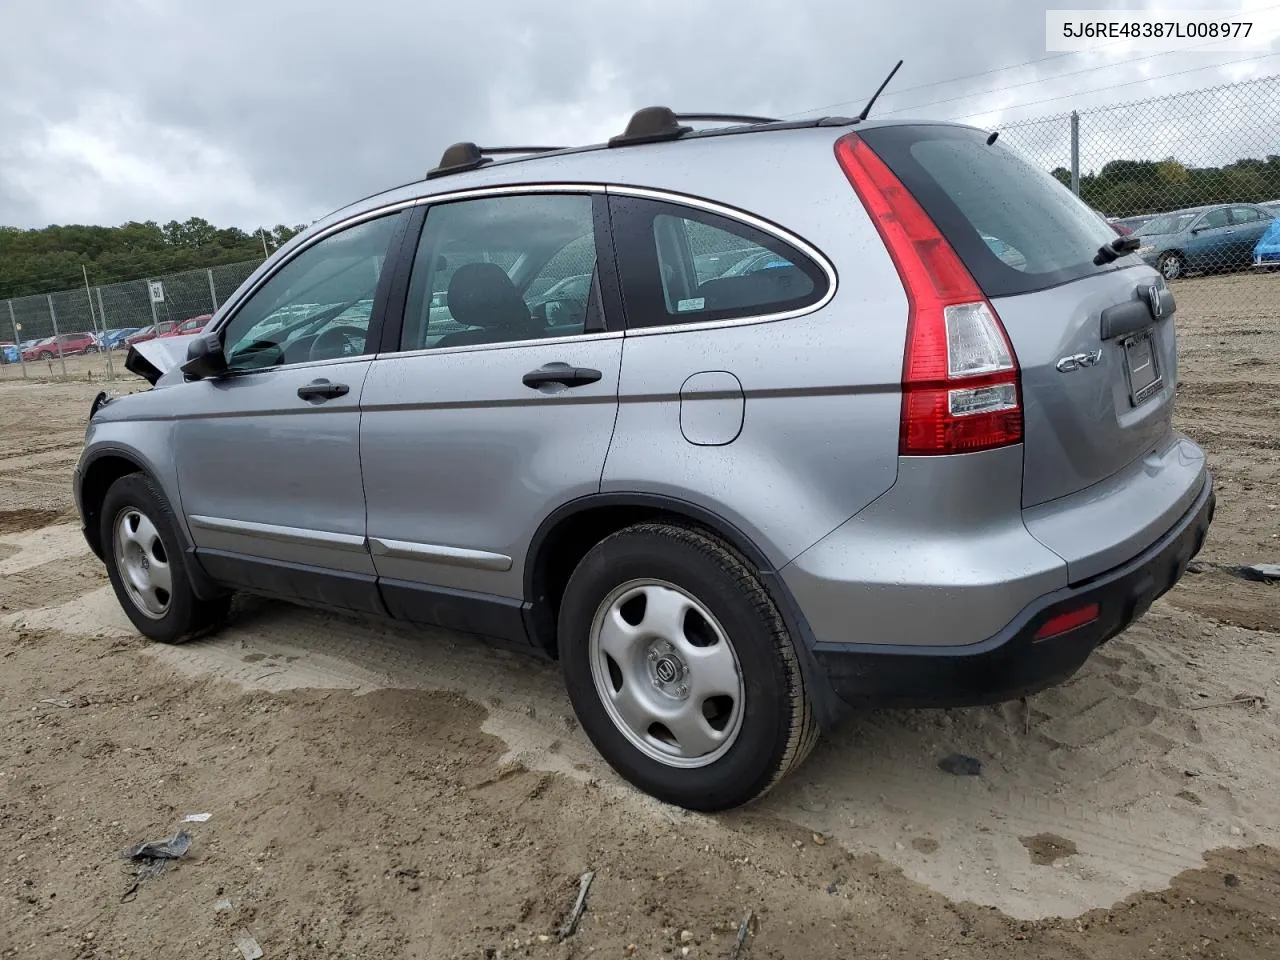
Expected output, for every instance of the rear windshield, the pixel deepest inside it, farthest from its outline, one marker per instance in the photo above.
(1015, 227)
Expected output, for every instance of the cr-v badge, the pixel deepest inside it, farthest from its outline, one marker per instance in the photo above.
(1078, 360)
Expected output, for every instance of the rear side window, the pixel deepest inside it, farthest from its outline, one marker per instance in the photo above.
(681, 264)
(1016, 228)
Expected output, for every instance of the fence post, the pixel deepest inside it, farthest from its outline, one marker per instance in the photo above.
(1075, 153)
(13, 322)
(57, 338)
(213, 293)
(102, 317)
(151, 300)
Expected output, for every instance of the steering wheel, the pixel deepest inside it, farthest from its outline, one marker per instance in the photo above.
(338, 342)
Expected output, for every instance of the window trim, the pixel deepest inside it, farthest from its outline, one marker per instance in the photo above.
(606, 266)
(377, 313)
(758, 223)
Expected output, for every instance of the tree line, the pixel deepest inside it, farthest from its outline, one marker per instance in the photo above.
(1127, 188)
(49, 259)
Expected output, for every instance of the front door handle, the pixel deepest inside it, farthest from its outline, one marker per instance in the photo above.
(318, 391)
(561, 373)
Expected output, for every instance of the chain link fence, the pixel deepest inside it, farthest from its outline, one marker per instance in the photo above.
(84, 332)
(1195, 176)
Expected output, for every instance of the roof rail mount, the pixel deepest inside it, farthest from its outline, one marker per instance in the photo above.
(467, 156)
(653, 124)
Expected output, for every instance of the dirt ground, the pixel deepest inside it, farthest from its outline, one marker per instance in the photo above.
(382, 792)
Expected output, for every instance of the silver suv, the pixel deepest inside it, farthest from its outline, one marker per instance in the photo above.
(889, 461)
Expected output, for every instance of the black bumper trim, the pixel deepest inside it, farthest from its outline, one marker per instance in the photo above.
(1012, 663)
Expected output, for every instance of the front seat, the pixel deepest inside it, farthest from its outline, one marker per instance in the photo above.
(481, 295)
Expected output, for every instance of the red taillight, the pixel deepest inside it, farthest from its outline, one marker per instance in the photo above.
(1063, 622)
(960, 387)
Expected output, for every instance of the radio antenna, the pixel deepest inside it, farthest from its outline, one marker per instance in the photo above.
(866, 111)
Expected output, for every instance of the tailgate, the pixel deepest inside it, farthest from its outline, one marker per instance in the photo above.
(1098, 376)
(1092, 331)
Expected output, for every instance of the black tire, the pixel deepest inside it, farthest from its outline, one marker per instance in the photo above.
(186, 616)
(1172, 265)
(778, 726)
(46, 355)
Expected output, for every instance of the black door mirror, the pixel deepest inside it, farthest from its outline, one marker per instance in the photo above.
(205, 358)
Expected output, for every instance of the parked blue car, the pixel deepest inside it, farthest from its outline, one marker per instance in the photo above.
(1266, 253)
(114, 339)
(1217, 237)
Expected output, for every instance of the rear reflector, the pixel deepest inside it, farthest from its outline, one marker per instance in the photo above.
(1063, 622)
(960, 387)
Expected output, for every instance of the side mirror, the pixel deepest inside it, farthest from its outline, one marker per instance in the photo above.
(205, 358)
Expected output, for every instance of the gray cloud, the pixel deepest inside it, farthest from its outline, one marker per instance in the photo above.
(250, 112)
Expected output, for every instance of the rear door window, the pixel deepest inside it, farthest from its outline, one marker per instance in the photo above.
(1016, 228)
(1214, 219)
(682, 264)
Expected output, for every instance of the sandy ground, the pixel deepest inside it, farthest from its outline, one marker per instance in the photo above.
(383, 792)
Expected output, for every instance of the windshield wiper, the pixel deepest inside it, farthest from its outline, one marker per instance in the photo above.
(1117, 248)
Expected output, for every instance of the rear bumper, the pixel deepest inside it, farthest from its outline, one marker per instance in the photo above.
(1012, 663)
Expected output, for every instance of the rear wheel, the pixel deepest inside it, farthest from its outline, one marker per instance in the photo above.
(147, 567)
(680, 668)
(1173, 266)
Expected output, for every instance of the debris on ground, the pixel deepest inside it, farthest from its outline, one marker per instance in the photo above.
(222, 906)
(1259, 572)
(1239, 700)
(196, 817)
(247, 946)
(153, 858)
(959, 765)
(571, 922)
(743, 929)
(62, 702)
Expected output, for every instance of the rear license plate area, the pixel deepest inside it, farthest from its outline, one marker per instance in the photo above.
(1142, 368)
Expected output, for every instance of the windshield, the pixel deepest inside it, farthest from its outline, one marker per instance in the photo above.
(1170, 223)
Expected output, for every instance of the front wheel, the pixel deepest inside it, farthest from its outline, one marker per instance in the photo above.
(147, 567)
(46, 355)
(681, 669)
(1172, 266)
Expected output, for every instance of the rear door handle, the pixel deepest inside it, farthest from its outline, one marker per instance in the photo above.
(318, 391)
(560, 373)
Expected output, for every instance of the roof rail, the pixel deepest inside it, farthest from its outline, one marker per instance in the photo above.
(652, 124)
(467, 156)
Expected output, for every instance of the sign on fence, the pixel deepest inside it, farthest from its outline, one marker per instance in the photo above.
(157, 290)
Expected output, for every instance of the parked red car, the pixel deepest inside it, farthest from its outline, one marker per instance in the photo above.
(193, 325)
(73, 344)
(151, 332)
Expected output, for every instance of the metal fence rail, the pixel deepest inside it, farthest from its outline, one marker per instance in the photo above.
(1191, 174)
(99, 310)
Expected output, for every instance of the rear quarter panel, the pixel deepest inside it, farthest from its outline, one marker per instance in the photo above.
(819, 435)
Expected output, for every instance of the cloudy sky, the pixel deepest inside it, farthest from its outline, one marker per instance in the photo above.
(280, 110)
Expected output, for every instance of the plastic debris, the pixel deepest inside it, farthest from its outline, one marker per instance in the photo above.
(153, 858)
(196, 817)
(170, 848)
(1259, 572)
(222, 906)
(247, 946)
(959, 765)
